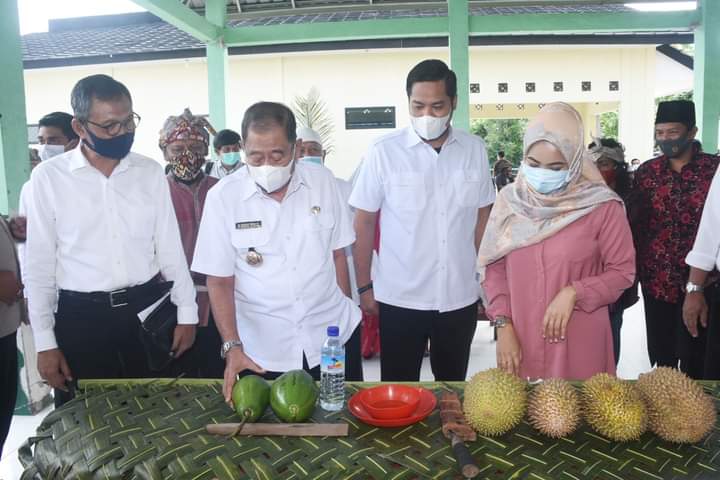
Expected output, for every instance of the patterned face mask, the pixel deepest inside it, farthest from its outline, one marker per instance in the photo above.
(187, 166)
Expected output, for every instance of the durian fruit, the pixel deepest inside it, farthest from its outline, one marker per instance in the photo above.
(614, 408)
(554, 408)
(494, 401)
(679, 410)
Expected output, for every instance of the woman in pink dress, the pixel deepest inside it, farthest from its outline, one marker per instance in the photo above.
(556, 252)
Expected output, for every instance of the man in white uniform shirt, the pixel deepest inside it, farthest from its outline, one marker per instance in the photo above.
(433, 185)
(271, 242)
(701, 306)
(101, 232)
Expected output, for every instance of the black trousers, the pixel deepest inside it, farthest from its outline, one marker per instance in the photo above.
(616, 321)
(8, 383)
(404, 334)
(671, 345)
(203, 359)
(353, 362)
(99, 341)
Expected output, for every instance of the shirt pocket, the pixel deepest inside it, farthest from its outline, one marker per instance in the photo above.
(141, 223)
(318, 235)
(467, 185)
(407, 191)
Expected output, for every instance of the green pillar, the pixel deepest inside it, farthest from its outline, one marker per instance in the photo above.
(707, 72)
(459, 41)
(14, 159)
(217, 65)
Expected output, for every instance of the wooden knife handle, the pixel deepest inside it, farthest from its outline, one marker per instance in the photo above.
(280, 429)
(465, 461)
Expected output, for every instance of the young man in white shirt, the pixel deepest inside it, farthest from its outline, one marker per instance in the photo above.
(271, 243)
(702, 298)
(433, 185)
(55, 137)
(101, 233)
(227, 145)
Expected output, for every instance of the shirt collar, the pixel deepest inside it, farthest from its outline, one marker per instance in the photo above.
(78, 161)
(412, 138)
(298, 179)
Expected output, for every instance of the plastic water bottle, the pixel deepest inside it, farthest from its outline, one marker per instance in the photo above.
(332, 372)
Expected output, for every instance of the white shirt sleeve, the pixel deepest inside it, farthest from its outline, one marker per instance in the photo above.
(22, 212)
(343, 233)
(171, 256)
(705, 254)
(487, 189)
(214, 253)
(40, 267)
(368, 190)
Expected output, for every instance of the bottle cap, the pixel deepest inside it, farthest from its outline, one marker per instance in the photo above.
(333, 331)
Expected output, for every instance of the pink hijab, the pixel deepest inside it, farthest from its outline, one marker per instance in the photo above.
(521, 216)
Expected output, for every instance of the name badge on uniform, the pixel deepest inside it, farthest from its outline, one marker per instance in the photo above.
(248, 225)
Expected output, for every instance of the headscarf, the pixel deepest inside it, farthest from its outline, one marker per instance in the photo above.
(188, 165)
(616, 154)
(521, 216)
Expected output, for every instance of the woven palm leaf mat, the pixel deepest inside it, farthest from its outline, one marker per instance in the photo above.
(139, 431)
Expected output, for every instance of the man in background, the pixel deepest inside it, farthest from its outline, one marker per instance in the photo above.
(227, 144)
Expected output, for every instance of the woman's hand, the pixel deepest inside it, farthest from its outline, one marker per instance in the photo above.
(508, 350)
(558, 315)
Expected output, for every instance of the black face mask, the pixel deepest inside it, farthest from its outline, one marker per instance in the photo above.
(674, 148)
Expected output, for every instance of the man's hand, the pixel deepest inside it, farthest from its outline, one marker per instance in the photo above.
(18, 228)
(558, 315)
(54, 369)
(695, 308)
(183, 339)
(235, 362)
(368, 303)
(10, 288)
(508, 350)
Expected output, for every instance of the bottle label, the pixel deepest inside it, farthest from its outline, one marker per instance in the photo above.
(333, 363)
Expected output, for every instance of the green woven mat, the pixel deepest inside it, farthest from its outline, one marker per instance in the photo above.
(157, 431)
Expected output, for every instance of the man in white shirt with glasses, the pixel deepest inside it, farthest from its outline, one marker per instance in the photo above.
(102, 245)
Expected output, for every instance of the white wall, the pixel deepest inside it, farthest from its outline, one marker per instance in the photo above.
(360, 78)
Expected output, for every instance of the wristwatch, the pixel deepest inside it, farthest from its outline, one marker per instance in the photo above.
(501, 322)
(227, 346)
(691, 287)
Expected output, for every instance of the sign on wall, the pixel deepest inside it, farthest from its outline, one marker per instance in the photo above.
(357, 118)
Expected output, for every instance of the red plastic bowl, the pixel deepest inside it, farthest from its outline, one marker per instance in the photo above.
(390, 401)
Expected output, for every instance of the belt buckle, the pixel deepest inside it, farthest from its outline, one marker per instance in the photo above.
(122, 301)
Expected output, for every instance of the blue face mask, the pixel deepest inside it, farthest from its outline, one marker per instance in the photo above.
(116, 147)
(544, 180)
(231, 158)
(311, 159)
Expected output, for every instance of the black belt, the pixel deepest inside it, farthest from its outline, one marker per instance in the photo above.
(121, 297)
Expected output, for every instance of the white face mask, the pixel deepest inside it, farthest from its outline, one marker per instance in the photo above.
(46, 152)
(270, 177)
(430, 128)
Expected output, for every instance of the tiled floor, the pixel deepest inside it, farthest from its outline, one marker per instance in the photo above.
(633, 361)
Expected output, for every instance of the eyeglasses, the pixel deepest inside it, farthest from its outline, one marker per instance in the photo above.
(114, 128)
